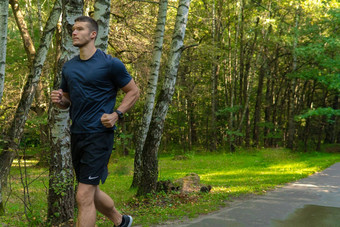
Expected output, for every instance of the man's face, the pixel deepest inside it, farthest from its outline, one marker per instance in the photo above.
(81, 34)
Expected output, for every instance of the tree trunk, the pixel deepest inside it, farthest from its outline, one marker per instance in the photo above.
(102, 16)
(241, 73)
(268, 112)
(216, 37)
(26, 38)
(61, 205)
(151, 91)
(331, 126)
(228, 71)
(2, 208)
(39, 98)
(213, 143)
(307, 129)
(234, 76)
(262, 72)
(61, 191)
(258, 104)
(247, 86)
(150, 150)
(291, 122)
(3, 45)
(271, 109)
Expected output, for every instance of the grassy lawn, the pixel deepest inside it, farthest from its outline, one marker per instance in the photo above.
(230, 174)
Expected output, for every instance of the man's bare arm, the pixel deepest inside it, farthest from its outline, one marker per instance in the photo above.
(131, 96)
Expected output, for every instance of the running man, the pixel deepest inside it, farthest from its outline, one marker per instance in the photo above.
(90, 82)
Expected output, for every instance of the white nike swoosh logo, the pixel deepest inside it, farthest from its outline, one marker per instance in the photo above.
(92, 178)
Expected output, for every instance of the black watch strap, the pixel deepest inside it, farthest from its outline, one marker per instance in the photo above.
(120, 115)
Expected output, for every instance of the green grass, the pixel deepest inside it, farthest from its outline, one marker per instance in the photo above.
(230, 174)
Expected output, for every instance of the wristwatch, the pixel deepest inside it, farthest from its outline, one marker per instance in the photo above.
(120, 115)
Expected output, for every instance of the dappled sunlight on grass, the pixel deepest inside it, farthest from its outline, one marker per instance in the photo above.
(297, 167)
(271, 175)
(233, 190)
(28, 163)
(220, 190)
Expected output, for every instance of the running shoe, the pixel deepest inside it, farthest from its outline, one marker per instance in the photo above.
(126, 221)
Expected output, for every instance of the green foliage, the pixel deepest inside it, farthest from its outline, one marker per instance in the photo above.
(234, 134)
(327, 112)
(61, 184)
(32, 132)
(2, 209)
(319, 50)
(227, 110)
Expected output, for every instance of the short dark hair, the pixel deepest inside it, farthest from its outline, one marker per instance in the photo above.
(93, 24)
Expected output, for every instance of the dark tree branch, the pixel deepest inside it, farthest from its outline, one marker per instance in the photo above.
(190, 46)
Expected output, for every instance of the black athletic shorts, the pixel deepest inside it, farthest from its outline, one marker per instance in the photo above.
(90, 156)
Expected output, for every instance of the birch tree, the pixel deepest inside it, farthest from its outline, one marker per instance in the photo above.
(61, 191)
(149, 155)
(3, 45)
(102, 16)
(25, 35)
(151, 90)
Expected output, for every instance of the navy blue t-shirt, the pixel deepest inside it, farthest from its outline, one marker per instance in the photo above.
(92, 85)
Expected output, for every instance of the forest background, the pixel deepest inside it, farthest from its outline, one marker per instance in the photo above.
(260, 73)
(252, 74)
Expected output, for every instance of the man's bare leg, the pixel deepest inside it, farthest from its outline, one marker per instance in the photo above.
(105, 205)
(87, 209)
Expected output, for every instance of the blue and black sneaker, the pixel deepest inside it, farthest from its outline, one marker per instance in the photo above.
(126, 221)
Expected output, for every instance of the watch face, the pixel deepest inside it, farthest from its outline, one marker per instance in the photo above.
(120, 114)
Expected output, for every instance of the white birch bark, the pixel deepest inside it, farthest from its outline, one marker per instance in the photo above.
(150, 150)
(102, 16)
(3, 45)
(61, 191)
(151, 90)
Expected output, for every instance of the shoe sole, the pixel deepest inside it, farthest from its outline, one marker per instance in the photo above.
(131, 220)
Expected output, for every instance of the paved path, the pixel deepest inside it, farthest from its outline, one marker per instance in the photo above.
(312, 201)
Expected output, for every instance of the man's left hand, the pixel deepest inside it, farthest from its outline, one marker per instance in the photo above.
(109, 120)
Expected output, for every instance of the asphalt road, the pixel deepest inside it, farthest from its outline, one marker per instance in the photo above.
(311, 202)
